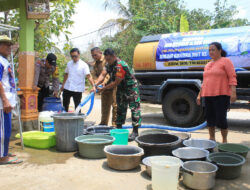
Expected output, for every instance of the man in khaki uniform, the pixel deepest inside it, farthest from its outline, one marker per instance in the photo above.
(108, 97)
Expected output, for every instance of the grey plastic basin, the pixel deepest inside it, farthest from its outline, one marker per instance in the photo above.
(91, 146)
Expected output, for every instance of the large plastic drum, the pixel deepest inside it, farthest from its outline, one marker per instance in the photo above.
(52, 104)
(68, 126)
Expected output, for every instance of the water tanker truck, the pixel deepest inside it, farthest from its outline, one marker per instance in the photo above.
(170, 68)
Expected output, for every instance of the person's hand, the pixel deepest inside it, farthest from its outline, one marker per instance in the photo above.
(233, 98)
(93, 89)
(100, 89)
(6, 106)
(61, 89)
(198, 100)
(55, 93)
(34, 87)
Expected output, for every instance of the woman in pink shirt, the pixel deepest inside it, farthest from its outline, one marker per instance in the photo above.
(218, 90)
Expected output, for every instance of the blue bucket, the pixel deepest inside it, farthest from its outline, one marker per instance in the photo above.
(52, 104)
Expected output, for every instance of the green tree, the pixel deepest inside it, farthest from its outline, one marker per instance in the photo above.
(184, 25)
(199, 19)
(143, 17)
(62, 61)
(150, 17)
(224, 15)
(117, 6)
(59, 22)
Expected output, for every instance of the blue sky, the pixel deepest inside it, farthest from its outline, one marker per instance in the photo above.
(91, 15)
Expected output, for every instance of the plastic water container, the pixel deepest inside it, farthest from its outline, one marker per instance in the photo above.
(45, 121)
(48, 127)
(165, 173)
(52, 104)
(121, 136)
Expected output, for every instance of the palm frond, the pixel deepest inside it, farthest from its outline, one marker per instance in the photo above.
(117, 6)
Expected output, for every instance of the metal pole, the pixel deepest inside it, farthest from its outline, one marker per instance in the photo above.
(18, 105)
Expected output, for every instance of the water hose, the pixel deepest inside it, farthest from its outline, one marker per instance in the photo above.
(91, 103)
(180, 129)
(91, 98)
(238, 69)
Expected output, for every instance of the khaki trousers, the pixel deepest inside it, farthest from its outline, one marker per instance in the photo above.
(108, 98)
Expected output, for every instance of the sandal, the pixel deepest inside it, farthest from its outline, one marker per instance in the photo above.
(14, 161)
(11, 155)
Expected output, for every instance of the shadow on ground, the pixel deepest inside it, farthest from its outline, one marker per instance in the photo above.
(39, 156)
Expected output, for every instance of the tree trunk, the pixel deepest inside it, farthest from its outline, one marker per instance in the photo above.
(6, 14)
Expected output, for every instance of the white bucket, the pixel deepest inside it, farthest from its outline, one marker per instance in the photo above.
(45, 116)
(165, 172)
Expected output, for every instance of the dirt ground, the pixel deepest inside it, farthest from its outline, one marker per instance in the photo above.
(52, 170)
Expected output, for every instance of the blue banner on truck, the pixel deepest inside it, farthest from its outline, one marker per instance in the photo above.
(190, 50)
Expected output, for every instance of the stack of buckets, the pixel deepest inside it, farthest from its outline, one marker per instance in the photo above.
(121, 136)
(46, 122)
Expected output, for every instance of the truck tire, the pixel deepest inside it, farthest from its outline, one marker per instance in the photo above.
(200, 119)
(180, 109)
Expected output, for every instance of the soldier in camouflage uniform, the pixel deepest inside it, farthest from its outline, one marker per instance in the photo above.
(43, 72)
(127, 94)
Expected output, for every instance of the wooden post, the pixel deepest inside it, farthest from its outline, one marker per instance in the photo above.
(27, 67)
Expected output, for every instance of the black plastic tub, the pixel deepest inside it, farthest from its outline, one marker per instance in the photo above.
(158, 144)
(98, 130)
(229, 164)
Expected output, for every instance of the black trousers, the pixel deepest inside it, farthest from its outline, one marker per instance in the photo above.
(43, 92)
(77, 96)
(216, 111)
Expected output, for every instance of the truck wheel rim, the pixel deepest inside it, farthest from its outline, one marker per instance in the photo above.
(181, 107)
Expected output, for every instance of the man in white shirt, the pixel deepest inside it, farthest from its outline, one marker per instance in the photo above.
(7, 101)
(74, 79)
